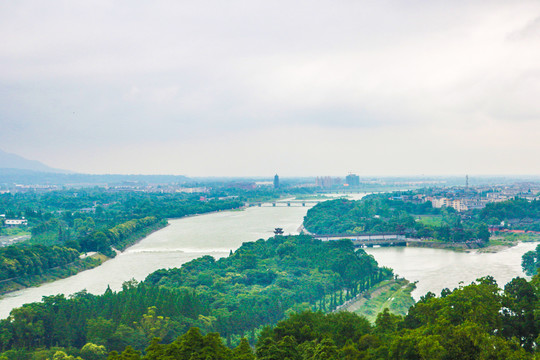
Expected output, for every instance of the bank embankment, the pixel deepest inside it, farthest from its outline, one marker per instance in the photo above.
(392, 294)
(496, 243)
(141, 234)
(465, 246)
(53, 274)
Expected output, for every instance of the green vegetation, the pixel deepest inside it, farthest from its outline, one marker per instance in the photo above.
(531, 261)
(196, 311)
(66, 223)
(392, 294)
(473, 322)
(51, 274)
(478, 321)
(431, 220)
(519, 213)
(388, 213)
(32, 260)
(379, 213)
(14, 231)
(257, 285)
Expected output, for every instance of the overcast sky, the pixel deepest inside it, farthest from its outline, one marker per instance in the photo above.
(252, 87)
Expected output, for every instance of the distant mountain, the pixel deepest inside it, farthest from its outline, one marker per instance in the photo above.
(10, 176)
(13, 161)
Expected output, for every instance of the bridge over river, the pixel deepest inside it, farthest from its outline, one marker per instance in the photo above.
(367, 240)
(288, 203)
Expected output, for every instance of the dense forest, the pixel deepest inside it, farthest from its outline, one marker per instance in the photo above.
(384, 213)
(257, 285)
(517, 213)
(31, 260)
(477, 321)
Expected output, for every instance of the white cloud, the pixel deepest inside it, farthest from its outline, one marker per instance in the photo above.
(161, 78)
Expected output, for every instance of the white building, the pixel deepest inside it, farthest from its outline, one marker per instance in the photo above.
(15, 222)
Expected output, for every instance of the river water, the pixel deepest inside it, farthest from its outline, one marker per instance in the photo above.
(218, 233)
(436, 269)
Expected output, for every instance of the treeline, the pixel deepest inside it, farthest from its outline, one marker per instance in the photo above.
(516, 213)
(380, 214)
(114, 319)
(18, 261)
(530, 261)
(257, 285)
(477, 321)
(119, 236)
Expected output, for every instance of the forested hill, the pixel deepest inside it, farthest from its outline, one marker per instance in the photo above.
(477, 321)
(381, 213)
(256, 285)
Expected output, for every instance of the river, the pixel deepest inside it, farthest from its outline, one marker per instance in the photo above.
(436, 269)
(217, 233)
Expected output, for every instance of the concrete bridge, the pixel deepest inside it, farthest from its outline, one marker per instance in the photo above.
(288, 203)
(367, 240)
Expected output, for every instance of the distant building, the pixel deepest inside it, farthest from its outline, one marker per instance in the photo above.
(324, 182)
(457, 204)
(276, 181)
(15, 222)
(352, 180)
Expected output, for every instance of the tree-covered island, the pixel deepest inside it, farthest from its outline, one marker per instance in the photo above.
(388, 213)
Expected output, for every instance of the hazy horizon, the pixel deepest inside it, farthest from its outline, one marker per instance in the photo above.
(303, 89)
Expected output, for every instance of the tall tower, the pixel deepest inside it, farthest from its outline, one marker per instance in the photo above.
(467, 181)
(276, 181)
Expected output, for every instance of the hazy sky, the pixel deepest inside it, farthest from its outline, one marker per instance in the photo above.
(258, 87)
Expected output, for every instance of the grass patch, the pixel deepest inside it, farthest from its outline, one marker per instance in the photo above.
(518, 237)
(14, 231)
(431, 220)
(394, 295)
(500, 241)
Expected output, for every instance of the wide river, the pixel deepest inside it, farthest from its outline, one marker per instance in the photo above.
(217, 233)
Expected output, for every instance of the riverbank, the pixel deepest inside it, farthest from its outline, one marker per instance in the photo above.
(61, 272)
(393, 294)
(83, 263)
(463, 247)
(495, 244)
(143, 233)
